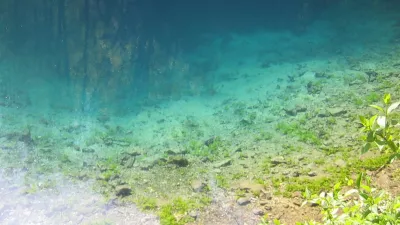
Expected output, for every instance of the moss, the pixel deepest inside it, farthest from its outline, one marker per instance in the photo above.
(145, 203)
(240, 193)
(331, 120)
(176, 213)
(335, 175)
(264, 136)
(372, 98)
(371, 164)
(313, 185)
(167, 216)
(298, 131)
(237, 176)
(222, 181)
(319, 161)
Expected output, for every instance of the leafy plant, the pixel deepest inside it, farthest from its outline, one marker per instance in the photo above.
(381, 130)
(362, 204)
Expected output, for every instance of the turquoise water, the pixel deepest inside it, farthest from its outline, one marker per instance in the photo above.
(154, 97)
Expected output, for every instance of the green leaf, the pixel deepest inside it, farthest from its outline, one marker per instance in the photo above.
(364, 121)
(366, 188)
(393, 157)
(372, 120)
(358, 181)
(277, 222)
(307, 194)
(393, 107)
(386, 99)
(377, 107)
(371, 137)
(366, 148)
(392, 146)
(364, 195)
(350, 182)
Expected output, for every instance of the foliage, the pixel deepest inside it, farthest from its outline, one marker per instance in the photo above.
(381, 129)
(362, 204)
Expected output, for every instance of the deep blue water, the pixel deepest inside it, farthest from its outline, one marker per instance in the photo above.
(71, 43)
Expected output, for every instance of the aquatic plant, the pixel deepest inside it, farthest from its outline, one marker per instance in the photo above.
(382, 130)
(299, 131)
(177, 212)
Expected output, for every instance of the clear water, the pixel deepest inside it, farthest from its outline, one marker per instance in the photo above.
(84, 83)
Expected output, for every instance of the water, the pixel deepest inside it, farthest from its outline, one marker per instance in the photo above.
(151, 95)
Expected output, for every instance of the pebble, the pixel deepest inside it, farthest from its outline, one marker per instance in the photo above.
(198, 185)
(258, 212)
(312, 174)
(243, 201)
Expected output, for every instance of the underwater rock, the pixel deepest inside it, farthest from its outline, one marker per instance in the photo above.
(285, 173)
(198, 185)
(251, 187)
(312, 174)
(223, 163)
(88, 150)
(301, 108)
(290, 112)
(179, 161)
(258, 212)
(103, 118)
(263, 202)
(134, 153)
(171, 152)
(128, 158)
(294, 110)
(123, 190)
(314, 88)
(268, 207)
(372, 75)
(243, 201)
(267, 195)
(323, 113)
(210, 141)
(337, 111)
(128, 162)
(295, 174)
(323, 75)
(26, 137)
(278, 160)
(340, 163)
(194, 214)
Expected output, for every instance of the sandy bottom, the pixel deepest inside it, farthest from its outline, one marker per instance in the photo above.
(66, 203)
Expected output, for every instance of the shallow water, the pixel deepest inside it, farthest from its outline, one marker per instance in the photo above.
(65, 203)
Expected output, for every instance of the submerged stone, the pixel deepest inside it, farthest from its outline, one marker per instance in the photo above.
(278, 160)
(123, 190)
(243, 201)
(198, 185)
(179, 161)
(337, 111)
(223, 163)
